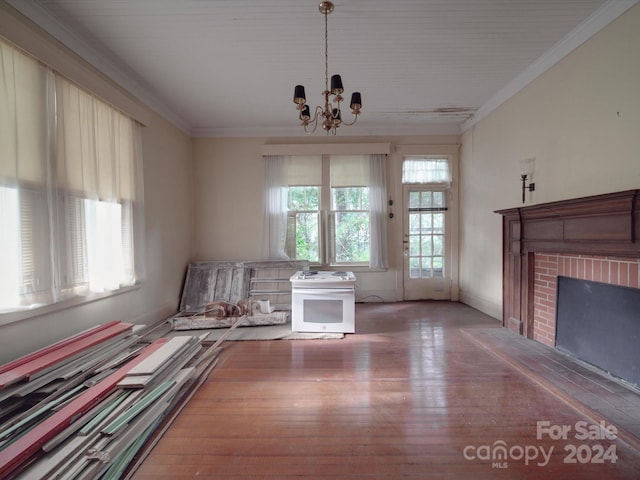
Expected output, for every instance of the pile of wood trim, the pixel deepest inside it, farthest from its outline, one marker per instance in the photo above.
(90, 406)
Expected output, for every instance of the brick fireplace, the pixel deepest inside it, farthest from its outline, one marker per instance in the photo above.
(591, 238)
(620, 271)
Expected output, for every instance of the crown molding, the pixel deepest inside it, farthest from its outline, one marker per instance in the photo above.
(592, 25)
(350, 131)
(32, 10)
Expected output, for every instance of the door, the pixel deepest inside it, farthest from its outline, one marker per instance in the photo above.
(426, 243)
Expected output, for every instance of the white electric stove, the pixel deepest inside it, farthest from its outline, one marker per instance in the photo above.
(323, 301)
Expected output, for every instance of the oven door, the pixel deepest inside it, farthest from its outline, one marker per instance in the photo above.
(323, 310)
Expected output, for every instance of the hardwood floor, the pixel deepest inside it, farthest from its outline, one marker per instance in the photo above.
(411, 395)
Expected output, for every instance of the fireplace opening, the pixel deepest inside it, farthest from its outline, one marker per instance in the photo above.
(599, 323)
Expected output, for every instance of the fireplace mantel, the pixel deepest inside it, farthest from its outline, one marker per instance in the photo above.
(598, 225)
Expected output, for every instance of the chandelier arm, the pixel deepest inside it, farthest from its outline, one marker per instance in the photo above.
(315, 125)
(317, 114)
(355, 119)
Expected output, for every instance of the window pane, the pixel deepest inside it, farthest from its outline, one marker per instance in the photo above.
(350, 198)
(414, 223)
(414, 199)
(438, 264)
(303, 198)
(437, 245)
(426, 199)
(426, 223)
(414, 267)
(9, 248)
(438, 199)
(307, 245)
(414, 245)
(426, 246)
(426, 267)
(351, 237)
(438, 223)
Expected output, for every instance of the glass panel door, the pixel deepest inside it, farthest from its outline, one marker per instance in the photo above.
(425, 244)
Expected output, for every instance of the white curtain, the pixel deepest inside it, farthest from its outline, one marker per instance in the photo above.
(274, 228)
(97, 152)
(378, 215)
(426, 170)
(70, 188)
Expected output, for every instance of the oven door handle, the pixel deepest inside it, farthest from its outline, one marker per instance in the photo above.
(323, 291)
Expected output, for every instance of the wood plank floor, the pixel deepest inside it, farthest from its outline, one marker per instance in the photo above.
(412, 394)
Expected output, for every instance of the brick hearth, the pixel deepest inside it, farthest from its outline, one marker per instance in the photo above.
(548, 266)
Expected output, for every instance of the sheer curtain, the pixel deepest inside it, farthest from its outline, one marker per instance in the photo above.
(70, 189)
(26, 108)
(378, 215)
(274, 228)
(97, 151)
(426, 170)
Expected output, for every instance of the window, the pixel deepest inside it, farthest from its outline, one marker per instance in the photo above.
(70, 196)
(332, 216)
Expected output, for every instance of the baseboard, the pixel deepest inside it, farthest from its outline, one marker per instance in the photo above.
(485, 306)
(157, 315)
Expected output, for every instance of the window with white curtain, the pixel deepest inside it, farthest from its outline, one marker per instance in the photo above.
(435, 170)
(327, 209)
(70, 189)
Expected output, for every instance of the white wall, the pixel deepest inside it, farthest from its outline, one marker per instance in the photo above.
(169, 228)
(229, 190)
(581, 122)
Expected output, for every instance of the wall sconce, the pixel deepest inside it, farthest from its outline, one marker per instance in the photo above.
(526, 171)
(531, 187)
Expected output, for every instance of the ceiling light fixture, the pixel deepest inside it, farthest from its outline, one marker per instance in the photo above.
(330, 114)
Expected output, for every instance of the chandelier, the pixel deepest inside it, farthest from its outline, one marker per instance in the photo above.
(330, 115)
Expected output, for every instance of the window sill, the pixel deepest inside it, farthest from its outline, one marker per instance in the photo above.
(19, 315)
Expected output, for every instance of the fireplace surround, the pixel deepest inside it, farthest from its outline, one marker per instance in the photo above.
(592, 238)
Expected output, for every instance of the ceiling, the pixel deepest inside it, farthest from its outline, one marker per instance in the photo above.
(229, 67)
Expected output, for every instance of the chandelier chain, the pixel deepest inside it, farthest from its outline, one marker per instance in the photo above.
(326, 51)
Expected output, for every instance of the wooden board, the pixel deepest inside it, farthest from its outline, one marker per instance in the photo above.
(35, 364)
(55, 346)
(201, 322)
(160, 356)
(212, 281)
(206, 282)
(23, 448)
